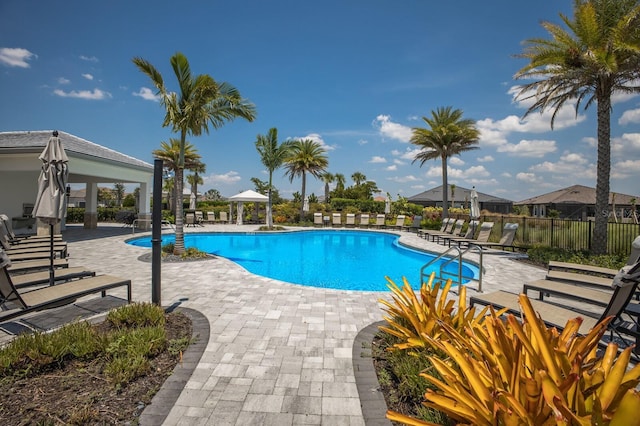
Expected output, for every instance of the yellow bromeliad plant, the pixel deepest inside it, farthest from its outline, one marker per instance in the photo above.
(417, 319)
(516, 372)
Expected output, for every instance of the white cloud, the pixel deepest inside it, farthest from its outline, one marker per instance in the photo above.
(625, 169)
(404, 179)
(228, 178)
(146, 93)
(630, 116)
(377, 159)
(506, 175)
(453, 173)
(626, 145)
(485, 159)
(529, 148)
(95, 94)
(392, 130)
(456, 161)
(16, 57)
(87, 76)
(495, 132)
(399, 162)
(317, 138)
(89, 58)
(391, 168)
(409, 154)
(527, 177)
(362, 142)
(63, 80)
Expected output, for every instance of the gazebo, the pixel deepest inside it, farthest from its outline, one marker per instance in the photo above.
(246, 197)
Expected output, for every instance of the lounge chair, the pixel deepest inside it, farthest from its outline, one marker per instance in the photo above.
(199, 217)
(36, 265)
(625, 285)
(380, 221)
(337, 219)
(16, 304)
(317, 219)
(18, 257)
(506, 241)
(455, 232)
(5, 223)
(224, 217)
(209, 217)
(350, 220)
(580, 268)
(43, 277)
(416, 223)
(483, 236)
(190, 219)
(30, 247)
(364, 220)
(399, 222)
(447, 225)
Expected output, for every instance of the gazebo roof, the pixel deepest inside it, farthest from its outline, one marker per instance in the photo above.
(249, 196)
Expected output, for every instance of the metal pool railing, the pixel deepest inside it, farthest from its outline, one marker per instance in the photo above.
(448, 259)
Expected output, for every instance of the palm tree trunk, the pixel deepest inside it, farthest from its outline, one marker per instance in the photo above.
(269, 214)
(600, 230)
(304, 187)
(445, 189)
(178, 248)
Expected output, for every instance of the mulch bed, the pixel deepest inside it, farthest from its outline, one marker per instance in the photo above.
(78, 393)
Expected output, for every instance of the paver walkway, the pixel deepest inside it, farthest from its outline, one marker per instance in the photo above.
(278, 353)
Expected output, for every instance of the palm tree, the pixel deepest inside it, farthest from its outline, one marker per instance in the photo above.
(358, 178)
(327, 178)
(340, 181)
(169, 187)
(169, 153)
(272, 156)
(305, 156)
(195, 179)
(597, 56)
(213, 194)
(118, 190)
(199, 102)
(448, 135)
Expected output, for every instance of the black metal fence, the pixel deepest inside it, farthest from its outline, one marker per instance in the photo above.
(563, 233)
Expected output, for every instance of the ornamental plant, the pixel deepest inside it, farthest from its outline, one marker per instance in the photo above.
(418, 319)
(519, 372)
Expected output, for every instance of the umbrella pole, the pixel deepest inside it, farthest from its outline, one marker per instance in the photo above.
(52, 278)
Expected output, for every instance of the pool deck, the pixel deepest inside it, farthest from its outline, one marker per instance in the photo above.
(276, 353)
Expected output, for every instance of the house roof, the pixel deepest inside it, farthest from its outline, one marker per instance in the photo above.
(576, 194)
(435, 195)
(34, 141)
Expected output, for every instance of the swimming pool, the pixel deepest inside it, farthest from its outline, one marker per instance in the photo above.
(339, 259)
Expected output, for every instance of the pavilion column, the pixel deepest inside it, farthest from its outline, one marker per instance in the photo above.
(144, 206)
(91, 206)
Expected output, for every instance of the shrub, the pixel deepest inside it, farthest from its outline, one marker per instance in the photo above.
(512, 372)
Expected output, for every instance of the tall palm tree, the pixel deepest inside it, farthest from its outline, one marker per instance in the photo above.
(272, 156)
(305, 156)
(199, 102)
(195, 179)
(596, 56)
(448, 135)
(169, 153)
(327, 178)
(358, 178)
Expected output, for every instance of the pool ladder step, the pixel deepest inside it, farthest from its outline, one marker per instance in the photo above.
(458, 277)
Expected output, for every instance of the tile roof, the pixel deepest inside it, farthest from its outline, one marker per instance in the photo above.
(435, 195)
(576, 194)
(34, 141)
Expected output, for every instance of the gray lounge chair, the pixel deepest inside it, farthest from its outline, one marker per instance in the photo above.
(456, 232)
(506, 241)
(625, 285)
(337, 219)
(5, 223)
(36, 265)
(483, 236)
(364, 220)
(380, 221)
(43, 277)
(317, 219)
(400, 221)
(445, 228)
(350, 220)
(416, 223)
(15, 304)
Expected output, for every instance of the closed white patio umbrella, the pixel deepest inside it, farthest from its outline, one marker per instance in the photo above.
(474, 208)
(51, 203)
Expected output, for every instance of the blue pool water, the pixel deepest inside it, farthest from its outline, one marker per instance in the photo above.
(346, 260)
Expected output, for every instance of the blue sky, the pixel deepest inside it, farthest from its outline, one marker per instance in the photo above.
(354, 75)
